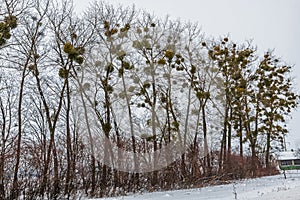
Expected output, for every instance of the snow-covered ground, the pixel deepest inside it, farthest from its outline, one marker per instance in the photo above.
(266, 188)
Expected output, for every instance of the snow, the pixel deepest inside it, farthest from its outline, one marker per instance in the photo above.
(265, 188)
(287, 155)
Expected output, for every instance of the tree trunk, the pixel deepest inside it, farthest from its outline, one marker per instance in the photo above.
(223, 153)
(2, 191)
(253, 158)
(206, 150)
(15, 185)
(135, 158)
(186, 126)
(241, 136)
(2, 153)
(153, 125)
(68, 183)
(56, 188)
(51, 125)
(106, 127)
(228, 159)
(91, 141)
(268, 150)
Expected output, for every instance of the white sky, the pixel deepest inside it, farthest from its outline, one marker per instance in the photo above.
(272, 24)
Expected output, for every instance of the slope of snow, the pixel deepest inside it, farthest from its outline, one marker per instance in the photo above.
(287, 155)
(272, 187)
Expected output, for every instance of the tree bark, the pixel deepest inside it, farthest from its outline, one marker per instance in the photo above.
(68, 184)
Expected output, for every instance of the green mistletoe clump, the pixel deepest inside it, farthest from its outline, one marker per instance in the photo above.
(74, 53)
(9, 23)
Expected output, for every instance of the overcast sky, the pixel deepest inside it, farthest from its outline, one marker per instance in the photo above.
(272, 24)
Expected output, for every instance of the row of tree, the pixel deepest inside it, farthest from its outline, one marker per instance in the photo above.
(117, 100)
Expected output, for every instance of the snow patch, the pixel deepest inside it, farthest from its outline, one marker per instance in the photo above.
(265, 188)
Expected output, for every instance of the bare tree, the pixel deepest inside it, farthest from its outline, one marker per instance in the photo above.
(7, 104)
